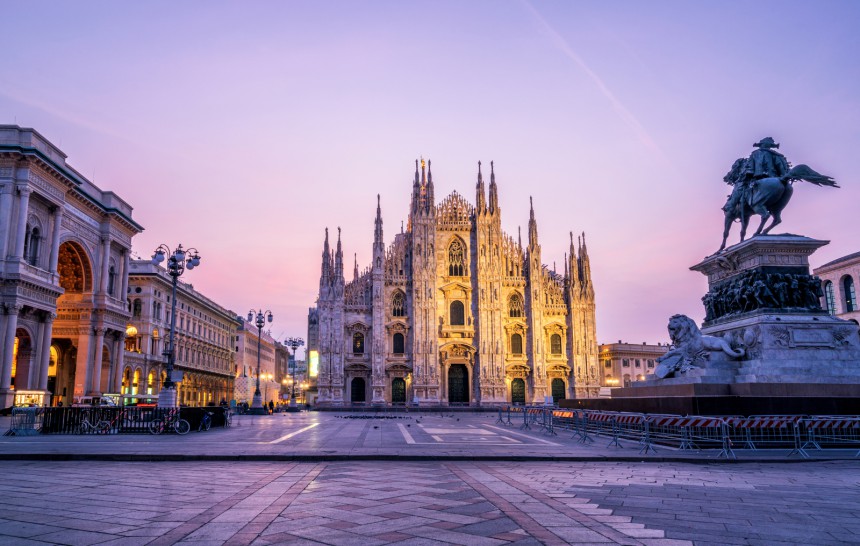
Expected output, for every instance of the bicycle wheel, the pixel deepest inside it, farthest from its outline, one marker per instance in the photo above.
(207, 424)
(181, 426)
(156, 426)
(228, 419)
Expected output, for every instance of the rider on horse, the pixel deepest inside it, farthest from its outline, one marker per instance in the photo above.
(765, 162)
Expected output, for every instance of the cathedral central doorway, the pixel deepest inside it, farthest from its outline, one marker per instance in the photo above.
(458, 384)
(356, 388)
(398, 391)
(518, 391)
(557, 387)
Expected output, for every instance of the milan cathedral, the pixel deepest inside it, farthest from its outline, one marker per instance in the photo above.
(454, 312)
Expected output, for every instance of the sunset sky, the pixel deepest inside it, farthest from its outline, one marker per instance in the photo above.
(245, 128)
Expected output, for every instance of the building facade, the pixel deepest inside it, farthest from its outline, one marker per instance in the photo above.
(64, 258)
(839, 280)
(247, 340)
(622, 363)
(454, 311)
(205, 334)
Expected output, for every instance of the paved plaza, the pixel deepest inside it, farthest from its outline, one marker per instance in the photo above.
(324, 478)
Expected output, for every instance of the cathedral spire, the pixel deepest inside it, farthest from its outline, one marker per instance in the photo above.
(355, 270)
(431, 203)
(533, 235)
(586, 268)
(325, 274)
(494, 197)
(480, 198)
(573, 267)
(520, 237)
(377, 232)
(338, 258)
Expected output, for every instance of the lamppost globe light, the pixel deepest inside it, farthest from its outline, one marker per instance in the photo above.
(257, 402)
(175, 268)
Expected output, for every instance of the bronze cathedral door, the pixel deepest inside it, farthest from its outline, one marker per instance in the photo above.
(458, 384)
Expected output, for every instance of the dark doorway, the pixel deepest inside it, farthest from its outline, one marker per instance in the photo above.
(518, 391)
(398, 391)
(557, 390)
(357, 390)
(458, 384)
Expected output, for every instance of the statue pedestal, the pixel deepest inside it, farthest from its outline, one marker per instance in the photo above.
(762, 298)
(797, 358)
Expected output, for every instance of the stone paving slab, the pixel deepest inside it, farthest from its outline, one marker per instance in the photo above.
(314, 436)
(507, 503)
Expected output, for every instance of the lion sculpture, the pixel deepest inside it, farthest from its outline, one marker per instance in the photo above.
(690, 349)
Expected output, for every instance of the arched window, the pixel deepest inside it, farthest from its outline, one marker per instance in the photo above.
(555, 344)
(830, 297)
(398, 305)
(358, 343)
(848, 294)
(516, 344)
(456, 259)
(458, 314)
(515, 306)
(136, 307)
(398, 344)
(111, 279)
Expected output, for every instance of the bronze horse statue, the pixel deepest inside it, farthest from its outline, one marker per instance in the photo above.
(766, 197)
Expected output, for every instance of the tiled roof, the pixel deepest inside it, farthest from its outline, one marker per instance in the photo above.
(840, 260)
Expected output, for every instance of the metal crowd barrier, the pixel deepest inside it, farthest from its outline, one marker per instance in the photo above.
(796, 434)
(25, 422)
(102, 419)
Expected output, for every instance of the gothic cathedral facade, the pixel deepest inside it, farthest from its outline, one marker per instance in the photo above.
(454, 312)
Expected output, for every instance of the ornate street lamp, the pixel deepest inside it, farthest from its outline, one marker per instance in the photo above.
(293, 343)
(260, 321)
(177, 262)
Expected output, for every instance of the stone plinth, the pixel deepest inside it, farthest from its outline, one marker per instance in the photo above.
(762, 300)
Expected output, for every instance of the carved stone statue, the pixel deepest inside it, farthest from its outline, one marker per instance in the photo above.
(762, 184)
(690, 349)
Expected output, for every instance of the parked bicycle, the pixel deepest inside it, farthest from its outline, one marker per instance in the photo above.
(205, 421)
(170, 420)
(99, 421)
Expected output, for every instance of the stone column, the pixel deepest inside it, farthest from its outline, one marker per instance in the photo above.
(7, 395)
(103, 281)
(118, 362)
(123, 275)
(55, 239)
(96, 363)
(45, 355)
(5, 217)
(23, 206)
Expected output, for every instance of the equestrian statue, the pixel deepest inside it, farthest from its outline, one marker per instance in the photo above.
(762, 184)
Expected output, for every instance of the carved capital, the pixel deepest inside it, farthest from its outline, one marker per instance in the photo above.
(25, 191)
(99, 331)
(13, 308)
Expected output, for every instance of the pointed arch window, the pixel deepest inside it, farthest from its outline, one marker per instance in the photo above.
(398, 345)
(398, 305)
(456, 258)
(830, 297)
(458, 313)
(516, 344)
(849, 294)
(555, 344)
(358, 343)
(515, 306)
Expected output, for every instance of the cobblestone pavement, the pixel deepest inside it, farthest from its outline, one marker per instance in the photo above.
(418, 503)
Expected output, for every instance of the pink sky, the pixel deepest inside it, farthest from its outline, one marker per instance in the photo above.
(245, 128)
